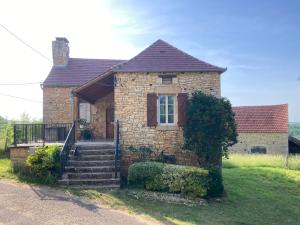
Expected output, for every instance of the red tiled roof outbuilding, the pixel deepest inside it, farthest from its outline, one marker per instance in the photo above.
(260, 119)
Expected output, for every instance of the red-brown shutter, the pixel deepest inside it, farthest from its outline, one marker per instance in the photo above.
(182, 101)
(151, 110)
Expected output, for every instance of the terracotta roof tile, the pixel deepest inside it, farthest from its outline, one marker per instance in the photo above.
(163, 57)
(269, 118)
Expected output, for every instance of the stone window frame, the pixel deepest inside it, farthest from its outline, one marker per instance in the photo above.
(167, 79)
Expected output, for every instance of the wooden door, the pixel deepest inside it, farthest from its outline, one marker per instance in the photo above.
(110, 123)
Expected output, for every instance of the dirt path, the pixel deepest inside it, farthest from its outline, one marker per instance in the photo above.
(26, 204)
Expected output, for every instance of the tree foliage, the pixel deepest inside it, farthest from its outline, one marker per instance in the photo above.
(210, 128)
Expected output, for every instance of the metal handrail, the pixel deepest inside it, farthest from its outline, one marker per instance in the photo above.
(117, 152)
(40, 132)
(64, 153)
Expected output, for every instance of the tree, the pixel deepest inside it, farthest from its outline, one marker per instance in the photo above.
(210, 128)
(209, 131)
(25, 118)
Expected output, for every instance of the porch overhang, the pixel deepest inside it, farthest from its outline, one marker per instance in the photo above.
(96, 88)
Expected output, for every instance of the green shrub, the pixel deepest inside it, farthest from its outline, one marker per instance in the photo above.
(140, 172)
(144, 153)
(164, 158)
(44, 164)
(210, 128)
(156, 176)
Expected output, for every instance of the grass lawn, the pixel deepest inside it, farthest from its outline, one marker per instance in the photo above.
(257, 192)
(259, 160)
(5, 169)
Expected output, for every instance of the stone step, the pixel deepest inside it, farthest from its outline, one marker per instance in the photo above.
(96, 152)
(95, 147)
(89, 169)
(90, 163)
(100, 182)
(94, 187)
(92, 157)
(101, 175)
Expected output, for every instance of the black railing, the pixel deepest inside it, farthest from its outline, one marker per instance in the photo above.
(64, 153)
(40, 133)
(117, 152)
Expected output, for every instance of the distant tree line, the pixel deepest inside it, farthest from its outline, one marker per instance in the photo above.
(294, 130)
(6, 129)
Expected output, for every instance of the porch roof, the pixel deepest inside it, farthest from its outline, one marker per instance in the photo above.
(96, 88)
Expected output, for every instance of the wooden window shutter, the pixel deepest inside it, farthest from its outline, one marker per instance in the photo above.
(151, 110)
(182, 103)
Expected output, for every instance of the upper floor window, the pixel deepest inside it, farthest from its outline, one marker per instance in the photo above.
(85, 111)
(165, 109)
(167, 80)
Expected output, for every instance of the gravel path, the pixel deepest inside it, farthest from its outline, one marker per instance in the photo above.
(26, 204)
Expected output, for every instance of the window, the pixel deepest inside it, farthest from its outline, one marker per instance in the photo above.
(166, 109)
(85, 111)
(259, 150)
(166, 80)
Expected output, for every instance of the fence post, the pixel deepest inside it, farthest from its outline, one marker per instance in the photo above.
(15, 135)
(43, 133)
(6, 137)
(26, 138)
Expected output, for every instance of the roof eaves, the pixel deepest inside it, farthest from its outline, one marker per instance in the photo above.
(220, 70)
(294, 140)
(60, 85)
(91, 82)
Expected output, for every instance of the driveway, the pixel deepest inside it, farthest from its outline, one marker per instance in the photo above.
(25, 204)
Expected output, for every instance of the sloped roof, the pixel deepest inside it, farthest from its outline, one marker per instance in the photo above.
(163, 57)
(158, 57)
(267, 118)
(294, 140)
(78, 71)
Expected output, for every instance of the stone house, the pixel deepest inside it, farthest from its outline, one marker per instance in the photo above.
(145, 98)
(146, 94)
(262, 129)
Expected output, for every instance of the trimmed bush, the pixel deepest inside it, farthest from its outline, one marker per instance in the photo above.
(44, 164)
(140, 172)
(156, 176)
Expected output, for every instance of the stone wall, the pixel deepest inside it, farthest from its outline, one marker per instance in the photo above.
(98, 117)
(57, 104)
(275, 143)
(131, 107)
(18, 155)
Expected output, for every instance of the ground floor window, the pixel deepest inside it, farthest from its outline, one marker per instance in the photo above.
(165, 109)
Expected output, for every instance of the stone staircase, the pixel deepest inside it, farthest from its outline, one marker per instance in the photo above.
(92, 166)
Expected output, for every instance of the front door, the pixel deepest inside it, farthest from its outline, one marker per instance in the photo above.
(110, 123)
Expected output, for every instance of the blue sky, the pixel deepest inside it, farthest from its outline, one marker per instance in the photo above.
(258, 42)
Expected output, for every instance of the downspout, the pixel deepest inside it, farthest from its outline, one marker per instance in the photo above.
(72, 106)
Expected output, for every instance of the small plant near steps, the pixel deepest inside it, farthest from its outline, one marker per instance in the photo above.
(91, 165)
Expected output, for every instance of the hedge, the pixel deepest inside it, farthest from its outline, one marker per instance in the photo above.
(187, 180)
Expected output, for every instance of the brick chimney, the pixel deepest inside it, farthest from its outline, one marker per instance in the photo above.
(60, 51)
